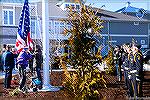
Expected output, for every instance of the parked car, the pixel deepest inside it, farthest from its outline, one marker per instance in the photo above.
(146, 56)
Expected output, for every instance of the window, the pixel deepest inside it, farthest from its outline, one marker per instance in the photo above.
(50, 27)
(11, 17)
(5, 17)
(142, 41)
(56, 26)
(33, 28)
(136, 23)
(8, 17)
(61, 27)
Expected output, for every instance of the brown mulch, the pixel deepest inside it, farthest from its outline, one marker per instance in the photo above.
(111, 93)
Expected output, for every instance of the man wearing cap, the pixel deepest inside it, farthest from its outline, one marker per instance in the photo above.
(22, 61)
(137, 71)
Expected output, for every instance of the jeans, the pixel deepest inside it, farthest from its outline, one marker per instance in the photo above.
(22, 73)
(118, 70)
(8, 77)
(38, 73)
(136, 86)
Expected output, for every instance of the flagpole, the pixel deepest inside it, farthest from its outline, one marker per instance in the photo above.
(46, 58)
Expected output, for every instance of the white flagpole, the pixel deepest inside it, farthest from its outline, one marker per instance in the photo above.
(46, 58)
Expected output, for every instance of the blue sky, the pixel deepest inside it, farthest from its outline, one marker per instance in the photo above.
(114, 5)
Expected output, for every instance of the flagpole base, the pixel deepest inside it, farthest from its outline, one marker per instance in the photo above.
(50, 88)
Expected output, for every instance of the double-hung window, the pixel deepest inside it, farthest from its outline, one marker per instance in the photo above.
(8, 17)
(57, 29)
(33, 30)
(62, 27)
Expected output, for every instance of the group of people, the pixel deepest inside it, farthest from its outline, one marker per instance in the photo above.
(129, 58)
(11, 59)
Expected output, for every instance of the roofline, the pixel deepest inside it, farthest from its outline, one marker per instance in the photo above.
(115, 19)
(119, 20)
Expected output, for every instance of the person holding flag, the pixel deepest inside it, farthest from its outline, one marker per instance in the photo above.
(23, 44)
(22, 62)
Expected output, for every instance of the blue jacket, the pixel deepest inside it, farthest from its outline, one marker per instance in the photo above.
(23, 58)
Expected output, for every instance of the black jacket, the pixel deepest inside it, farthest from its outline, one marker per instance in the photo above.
(38, 57)
(8, 59)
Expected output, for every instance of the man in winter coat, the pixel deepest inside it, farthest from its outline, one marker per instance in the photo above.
(8, 63)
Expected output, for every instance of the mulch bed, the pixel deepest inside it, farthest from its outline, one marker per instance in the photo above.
(111, 93)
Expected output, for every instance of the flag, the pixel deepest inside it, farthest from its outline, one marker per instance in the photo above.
(23, 35)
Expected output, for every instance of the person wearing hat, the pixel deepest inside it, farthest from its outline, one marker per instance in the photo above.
(22, 62)
(8, 63)
(117, 61)
(137, 71)
(127, 68)
(125, 64)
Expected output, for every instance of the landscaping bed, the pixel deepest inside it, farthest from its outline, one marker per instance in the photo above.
(114, 90)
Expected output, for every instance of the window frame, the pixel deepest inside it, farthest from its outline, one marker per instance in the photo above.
(8, 19)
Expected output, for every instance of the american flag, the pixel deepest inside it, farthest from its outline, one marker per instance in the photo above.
(23, 35)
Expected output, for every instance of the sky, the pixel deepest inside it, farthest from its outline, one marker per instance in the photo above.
(114, 5)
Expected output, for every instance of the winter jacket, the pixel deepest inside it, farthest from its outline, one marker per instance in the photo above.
(8, 60)
(23, 58)
(38, 58)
